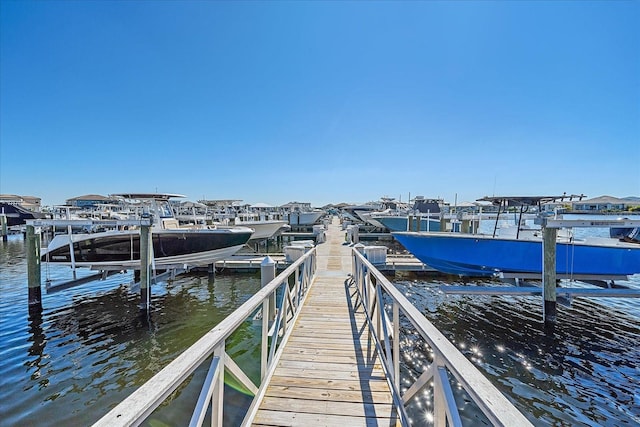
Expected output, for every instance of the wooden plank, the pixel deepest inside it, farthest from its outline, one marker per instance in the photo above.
(309, 406)
(321, 358)
(328, 373)
(353, 374)
(331, 395)
(330, 384)
(278, 418)
(331, 366)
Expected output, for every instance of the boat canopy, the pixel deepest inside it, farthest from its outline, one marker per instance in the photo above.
(147, 196)
(527, 200)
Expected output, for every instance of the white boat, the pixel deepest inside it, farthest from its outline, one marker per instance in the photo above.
(262, 229)
(305, 218)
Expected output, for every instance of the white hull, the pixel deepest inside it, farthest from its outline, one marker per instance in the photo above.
(262, 229)
(304, 218)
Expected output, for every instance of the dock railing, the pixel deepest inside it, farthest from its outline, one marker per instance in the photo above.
(383, 305)
(290, 287)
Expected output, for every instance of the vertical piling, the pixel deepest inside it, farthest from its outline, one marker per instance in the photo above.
(3, 226)
(211, 271)
(443, 223)
(549, 274)
(146, 241)
(267, 274)
(33, 269)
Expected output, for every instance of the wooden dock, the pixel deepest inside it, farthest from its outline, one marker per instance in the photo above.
(329, 373)
(251, 262)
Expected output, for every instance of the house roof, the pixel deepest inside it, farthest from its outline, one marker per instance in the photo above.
(600, 200)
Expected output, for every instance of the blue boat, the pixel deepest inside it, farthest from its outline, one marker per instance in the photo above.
(485, 255)
(489, 254)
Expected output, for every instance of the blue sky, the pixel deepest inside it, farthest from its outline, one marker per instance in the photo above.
(323, 102)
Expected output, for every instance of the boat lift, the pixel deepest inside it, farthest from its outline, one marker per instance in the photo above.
(34, 275)
(549, 277)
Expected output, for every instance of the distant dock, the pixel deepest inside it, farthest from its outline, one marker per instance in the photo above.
(252, 262)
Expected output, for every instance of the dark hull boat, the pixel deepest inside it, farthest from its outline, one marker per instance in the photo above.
(17, 215)
(122, 248)
(172, 245)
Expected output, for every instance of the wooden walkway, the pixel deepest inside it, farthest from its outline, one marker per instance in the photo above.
(329, 373)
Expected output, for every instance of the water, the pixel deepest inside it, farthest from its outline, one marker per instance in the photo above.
(90, 347)
(584, 372)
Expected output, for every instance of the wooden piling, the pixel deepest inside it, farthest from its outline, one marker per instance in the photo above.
(211, 271)
(355, 234)
(443, 223)
(146, 242)
(34, 268)
(549, 273)
(3, 227)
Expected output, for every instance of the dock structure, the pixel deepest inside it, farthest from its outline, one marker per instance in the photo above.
(250, 262)
(329, 372)
(330, 354)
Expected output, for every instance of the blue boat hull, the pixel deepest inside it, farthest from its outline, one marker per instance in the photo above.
(471, 255)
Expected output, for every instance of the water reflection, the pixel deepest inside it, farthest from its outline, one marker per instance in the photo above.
(91, 346)
(582, 372)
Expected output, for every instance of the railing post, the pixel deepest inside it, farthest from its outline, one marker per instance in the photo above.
(439, 400)
(396, 344)
(264, 348)
(217, 398)
(296, 289)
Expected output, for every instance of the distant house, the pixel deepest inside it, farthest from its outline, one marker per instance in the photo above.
(606, 203)
(28, 202)
(221, 203)
(89, 201)
(297, 206)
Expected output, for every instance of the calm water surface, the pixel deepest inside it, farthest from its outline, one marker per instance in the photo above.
(90, 348)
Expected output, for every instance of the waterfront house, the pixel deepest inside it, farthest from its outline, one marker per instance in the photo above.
(606, 204)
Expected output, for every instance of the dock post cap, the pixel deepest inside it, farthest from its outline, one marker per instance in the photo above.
(359, 247)
(267, 261)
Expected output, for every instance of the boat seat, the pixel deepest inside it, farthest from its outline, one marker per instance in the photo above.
(170, 223)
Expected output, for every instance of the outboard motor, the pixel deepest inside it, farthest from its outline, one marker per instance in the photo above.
(633, 236)
(619, 232)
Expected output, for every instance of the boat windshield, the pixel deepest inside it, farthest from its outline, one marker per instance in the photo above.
(164, 210)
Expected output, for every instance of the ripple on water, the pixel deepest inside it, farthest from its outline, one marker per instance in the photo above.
(584, 372)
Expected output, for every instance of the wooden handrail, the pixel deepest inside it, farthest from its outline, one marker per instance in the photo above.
(141, 403)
